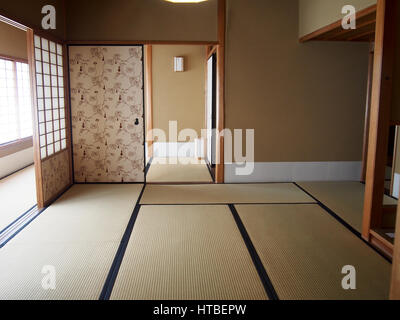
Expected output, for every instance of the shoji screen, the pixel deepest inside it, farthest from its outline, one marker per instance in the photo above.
(107, 113)
(51, 133)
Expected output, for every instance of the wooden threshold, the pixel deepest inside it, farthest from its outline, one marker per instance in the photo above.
(382, 243)
(364, 32)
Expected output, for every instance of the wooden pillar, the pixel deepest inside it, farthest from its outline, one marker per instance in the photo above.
(381, 97)
(367, 112)
(395, 286)
(219, 168)
(149, 98)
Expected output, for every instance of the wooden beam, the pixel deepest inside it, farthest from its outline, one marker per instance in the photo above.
(367, 112)
(395, 284)
(220, 167)
(138, 42)
(149, 99)
(380, 115)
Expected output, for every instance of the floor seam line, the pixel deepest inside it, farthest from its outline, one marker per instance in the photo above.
(119, 255)
(262, 272)
(334, 215)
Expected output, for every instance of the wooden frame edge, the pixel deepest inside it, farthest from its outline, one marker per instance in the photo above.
(35, 121)
(380, 116)
(336, 24)
(149, 100)
(220, 156)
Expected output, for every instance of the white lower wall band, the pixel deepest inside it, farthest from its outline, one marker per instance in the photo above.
(293, 171)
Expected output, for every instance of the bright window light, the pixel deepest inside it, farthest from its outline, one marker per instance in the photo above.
(15, 101)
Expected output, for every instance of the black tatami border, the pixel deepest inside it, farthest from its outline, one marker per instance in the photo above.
(119, 256)
(266, 281)
(343, 222)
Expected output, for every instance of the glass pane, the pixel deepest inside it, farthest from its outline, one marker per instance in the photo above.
(42, 141)
(45, 44)
(63, 133)
(49, 138)
(53, 58)
(57, 146)
(49, 115)
(59, 49)
(46, 68)
(38, 56)
(43, 153)
(50, 149)
(37, 41)
(46, 79)
(40, 104)
(38, 67)
(52, 47)
(45, 56)
(57, 135)
(59, 60)
(42, 128)
(39, 79)
(63, 144)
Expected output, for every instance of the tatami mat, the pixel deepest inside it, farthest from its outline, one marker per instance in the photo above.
(187, 253)
(17, 195)
(186, 170)
(78, 235)
(224, 193)
(304, 250)
(346, 199)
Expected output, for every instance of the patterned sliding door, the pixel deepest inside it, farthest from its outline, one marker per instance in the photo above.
(47, 58)
(107, 113)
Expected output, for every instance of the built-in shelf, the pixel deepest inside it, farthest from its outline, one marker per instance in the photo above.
(364, 32)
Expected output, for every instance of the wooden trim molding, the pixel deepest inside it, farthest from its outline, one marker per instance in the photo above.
(381, 96)
(334, 32)
(220, 166)
(15, 146)
(15, 59)
(367, 113)
(138, 42)
(149, 99)
(36, 142)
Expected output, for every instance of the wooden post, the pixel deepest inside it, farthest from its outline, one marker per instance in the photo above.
(381, 97)
(367, 112)
(149, 99)
(219, 168)
(35, 121)
(395, 287)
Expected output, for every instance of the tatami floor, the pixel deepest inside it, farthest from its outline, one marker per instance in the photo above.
(189, 242)
(178, 170)
(17, 195)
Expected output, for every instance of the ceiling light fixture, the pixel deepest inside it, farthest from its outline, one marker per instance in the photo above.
(185, 1)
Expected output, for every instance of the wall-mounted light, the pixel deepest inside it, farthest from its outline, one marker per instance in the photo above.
(179, 64)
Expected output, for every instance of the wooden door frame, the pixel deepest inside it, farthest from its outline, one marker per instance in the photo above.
(381, 94)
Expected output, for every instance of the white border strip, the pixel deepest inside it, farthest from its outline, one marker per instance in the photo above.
(295, 171)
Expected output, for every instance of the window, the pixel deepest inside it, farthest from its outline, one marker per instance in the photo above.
(50, 96)
(15, 101)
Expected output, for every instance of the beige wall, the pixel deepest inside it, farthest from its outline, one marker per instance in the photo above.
(306, 102)
(141, 20)
(13, 41)
(179, 96)
(315, 14)
(29, 12)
